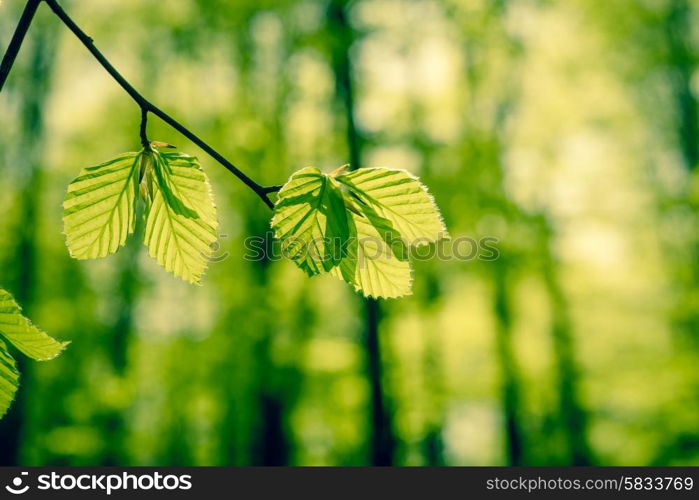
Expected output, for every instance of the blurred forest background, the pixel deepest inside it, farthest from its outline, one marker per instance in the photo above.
(567, 129)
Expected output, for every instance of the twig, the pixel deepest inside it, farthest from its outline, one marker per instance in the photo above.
(144, 124)
(17, 38)
(145, 105)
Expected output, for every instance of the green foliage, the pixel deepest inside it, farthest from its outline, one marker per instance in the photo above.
(9, 379)
(100, 207)
(101, 204)
(27, 338)
(400, 198)
(181, 225)
(357, 225)
(310, 217)
(23, 334)
(377, 261)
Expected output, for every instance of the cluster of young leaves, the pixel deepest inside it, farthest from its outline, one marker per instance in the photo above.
(357, 225)
(100, 210)
(27, 338)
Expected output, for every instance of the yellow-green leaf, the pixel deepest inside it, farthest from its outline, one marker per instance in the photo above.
(22, 334)
(377, 261)
(99, 210)
(9, 379)
(399, 197)
(311, 221)
(181, 225)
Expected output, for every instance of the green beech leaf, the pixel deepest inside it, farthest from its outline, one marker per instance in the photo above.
(9, 379)
(27, 338)
(181, 224)
(399, 197)
(373, 215)
(311, 221)
(100, 207)
(377, 260)
(21, 333)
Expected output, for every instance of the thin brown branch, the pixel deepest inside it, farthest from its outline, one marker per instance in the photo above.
(145, 105)
(17, 38)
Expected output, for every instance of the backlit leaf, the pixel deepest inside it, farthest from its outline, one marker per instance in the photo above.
(181, 226)
(400, 197)
(377, 261)
(9, 379)
(21, 333)
(27, 338)
(99, 211)
(311, 221)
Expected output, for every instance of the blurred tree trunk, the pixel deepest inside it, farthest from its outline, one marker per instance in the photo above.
(277, 381)
(382, 440)
(21, 276)
(678, 29)
(429, 296)
(572, 415)
(272, 443)
(681, 69)
(485, 143)
(502, 308)
(433, 448)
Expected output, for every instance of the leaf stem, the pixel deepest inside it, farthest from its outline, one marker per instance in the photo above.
(144, 124)
(145, 105)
